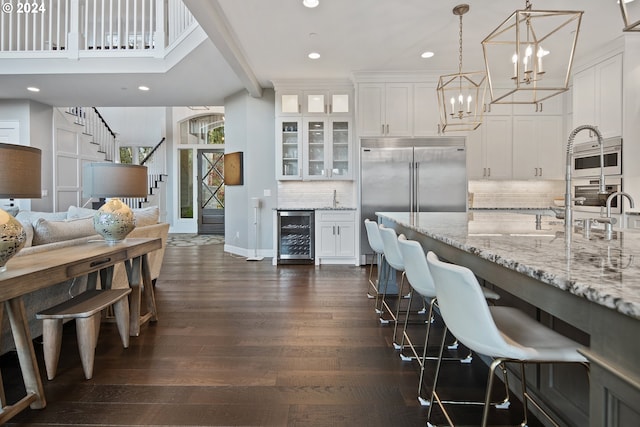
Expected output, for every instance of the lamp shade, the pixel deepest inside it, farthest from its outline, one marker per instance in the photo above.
(114, 180)
(20, 172)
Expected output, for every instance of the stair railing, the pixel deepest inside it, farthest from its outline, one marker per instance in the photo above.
(96, 126)
(155, 162)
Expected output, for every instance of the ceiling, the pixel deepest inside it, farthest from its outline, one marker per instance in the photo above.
(254, 42)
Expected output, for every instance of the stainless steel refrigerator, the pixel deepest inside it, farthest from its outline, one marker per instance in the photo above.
(411, 175)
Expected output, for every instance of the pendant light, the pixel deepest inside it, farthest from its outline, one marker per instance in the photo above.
(528, 58)
(461, 95)
(630, 14)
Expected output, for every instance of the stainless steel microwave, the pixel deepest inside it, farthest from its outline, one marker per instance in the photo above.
(586, 159)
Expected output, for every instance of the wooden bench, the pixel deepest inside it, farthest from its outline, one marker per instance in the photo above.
(86, 309)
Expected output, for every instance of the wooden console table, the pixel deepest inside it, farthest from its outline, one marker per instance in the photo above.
(29, 273)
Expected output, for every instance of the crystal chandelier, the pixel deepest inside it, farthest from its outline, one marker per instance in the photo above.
(521, 68)
(461, 95)
(630, 13)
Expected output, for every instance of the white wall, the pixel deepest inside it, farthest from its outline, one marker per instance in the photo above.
(35, 121)
(136, 126)
(250, 128)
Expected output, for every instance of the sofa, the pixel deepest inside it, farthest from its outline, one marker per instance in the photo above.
(47, 231)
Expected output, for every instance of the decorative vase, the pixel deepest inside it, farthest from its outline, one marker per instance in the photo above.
(12, 238)
(114, 221)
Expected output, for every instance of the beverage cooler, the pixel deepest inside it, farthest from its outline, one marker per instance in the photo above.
(295, 237)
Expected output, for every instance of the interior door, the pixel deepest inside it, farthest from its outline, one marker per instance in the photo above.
(211, 192)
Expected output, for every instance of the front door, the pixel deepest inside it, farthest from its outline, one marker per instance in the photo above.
(211, 192)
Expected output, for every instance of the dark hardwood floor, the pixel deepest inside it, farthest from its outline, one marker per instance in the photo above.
(246, 344)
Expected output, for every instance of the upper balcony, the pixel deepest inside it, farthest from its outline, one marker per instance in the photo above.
(78, 29)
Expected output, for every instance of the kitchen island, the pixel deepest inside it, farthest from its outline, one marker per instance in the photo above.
(585, 287)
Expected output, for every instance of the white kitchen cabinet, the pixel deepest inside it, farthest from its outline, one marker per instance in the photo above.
(327, 102)
(633, 221)
(289, 103)
(314, 126)
(385, 109)
(426, 116)
(289, 148)
(538, 147)
(550, 106)
(335, 237)
(597, 99)
(489, 149)
(327, 149)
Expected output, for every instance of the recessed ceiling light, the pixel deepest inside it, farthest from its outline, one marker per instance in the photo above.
(143, 88)
(310, 3)
(314, 55)
(427, 54)
(33, 89)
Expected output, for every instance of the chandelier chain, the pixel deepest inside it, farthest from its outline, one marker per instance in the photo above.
(460, 48)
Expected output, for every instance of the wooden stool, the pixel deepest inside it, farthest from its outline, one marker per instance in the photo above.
(85, 308)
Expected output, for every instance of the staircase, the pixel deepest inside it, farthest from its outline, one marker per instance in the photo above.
(98, 143)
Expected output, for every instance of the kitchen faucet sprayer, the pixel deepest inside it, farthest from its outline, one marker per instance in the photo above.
(568, 219)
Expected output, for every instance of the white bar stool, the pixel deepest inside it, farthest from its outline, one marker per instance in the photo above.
(375, 241)
(394, 258)
(503, 333)
(421, 281)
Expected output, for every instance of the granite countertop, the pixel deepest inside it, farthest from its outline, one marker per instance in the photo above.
(606, 272)
(324, 208)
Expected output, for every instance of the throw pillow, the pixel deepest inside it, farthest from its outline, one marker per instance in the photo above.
(45, 231)
(28, 228)
(33, 216)
(12, 210)
(146, 216)
(75, 212)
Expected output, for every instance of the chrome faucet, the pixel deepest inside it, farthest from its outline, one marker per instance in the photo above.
(335, 199)
(609, 221)
(568, 201)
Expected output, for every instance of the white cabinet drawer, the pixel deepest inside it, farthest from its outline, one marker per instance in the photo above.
(332, 216)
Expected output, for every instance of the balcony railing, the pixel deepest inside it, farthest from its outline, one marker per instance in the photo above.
(73, 28)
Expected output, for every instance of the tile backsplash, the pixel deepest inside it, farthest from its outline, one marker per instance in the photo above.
(482, 194)
(315, 194)
(514, 194)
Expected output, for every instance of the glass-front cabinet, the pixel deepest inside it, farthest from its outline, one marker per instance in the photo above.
(289, 144)
(327, 149)
(314, 131)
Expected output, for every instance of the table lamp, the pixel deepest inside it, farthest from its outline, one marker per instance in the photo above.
(19, 179)
(114, 220)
